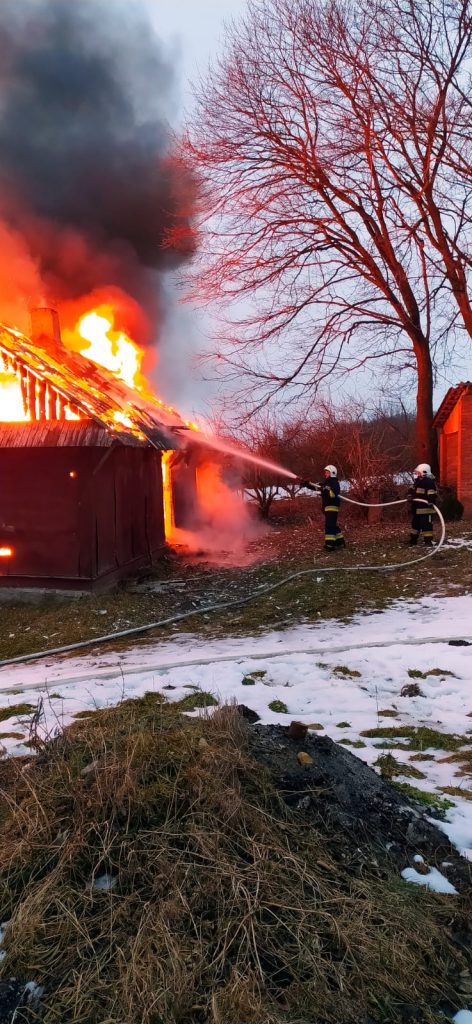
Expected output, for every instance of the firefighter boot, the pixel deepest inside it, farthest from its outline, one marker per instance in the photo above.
(413, 539)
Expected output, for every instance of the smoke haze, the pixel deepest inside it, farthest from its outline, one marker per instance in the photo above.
(89, 194)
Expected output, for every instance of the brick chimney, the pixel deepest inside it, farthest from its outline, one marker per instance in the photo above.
(45, 324)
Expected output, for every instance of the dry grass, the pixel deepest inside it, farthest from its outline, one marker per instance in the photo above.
(288, 549)
(227, 908)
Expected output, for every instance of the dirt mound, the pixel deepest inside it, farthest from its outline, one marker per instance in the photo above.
(338, 791)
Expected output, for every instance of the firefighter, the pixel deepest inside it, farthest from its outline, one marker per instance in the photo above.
(330, 501)
(423, 490)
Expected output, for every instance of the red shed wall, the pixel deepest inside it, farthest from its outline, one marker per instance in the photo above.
(465, 484)
(100, 523)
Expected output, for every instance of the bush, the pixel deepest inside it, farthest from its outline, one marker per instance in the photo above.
(451, 508)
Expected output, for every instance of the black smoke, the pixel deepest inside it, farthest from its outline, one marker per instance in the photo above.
(86, 175)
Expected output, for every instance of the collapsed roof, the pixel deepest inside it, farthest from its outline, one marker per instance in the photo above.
(66, 378)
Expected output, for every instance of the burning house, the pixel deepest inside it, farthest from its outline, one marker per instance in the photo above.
(94, 476)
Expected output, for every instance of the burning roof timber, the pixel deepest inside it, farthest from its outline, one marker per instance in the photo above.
(60, 385)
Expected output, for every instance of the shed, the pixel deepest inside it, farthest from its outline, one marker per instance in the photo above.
(453, 422)
(81, 485)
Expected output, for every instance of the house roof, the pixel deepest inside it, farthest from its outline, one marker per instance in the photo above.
(97, 394)
(450, 401)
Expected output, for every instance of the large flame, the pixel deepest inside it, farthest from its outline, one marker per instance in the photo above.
(169, 526)
(96, 338)
(110, 348)
(12, 408)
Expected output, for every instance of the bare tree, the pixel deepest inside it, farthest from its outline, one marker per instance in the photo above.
(333, 145)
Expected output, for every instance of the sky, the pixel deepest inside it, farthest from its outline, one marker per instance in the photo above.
(195, 32)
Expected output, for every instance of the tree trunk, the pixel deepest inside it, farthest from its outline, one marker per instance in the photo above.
(426, 441)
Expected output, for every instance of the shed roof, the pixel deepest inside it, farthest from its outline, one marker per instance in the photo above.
(98, 395)
(63, 434)
(449, 402)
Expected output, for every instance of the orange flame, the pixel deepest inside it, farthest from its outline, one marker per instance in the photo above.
(109, 348)
(12, 408)
(169, 528)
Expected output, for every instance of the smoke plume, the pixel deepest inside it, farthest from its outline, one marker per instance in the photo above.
(87, 181)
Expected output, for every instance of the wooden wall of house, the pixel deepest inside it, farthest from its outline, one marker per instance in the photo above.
(75, 516)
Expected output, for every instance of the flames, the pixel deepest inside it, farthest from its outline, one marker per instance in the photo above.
(95, 334)
(12, 408)
(169, 526)
(110, 348)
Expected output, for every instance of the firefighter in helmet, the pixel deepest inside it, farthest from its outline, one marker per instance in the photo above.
(330, 502)
(421, 496)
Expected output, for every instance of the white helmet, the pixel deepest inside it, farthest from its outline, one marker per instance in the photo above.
(423, 469)
(331, 470)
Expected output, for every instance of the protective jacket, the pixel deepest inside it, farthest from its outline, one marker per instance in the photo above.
(423, 489)
(330, 491)
(421, 495)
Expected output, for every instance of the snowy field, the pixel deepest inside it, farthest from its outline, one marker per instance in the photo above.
(342, 679)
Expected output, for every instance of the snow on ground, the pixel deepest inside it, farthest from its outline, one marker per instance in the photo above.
(339, 678)
(459, 542)
(433, 880)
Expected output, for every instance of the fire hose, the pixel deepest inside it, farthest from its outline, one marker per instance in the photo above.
(240, 601)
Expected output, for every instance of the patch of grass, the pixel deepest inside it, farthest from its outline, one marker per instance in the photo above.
(357, 744)
(248, 681)
(343, 725)
(388, 713)
(259, 673)
(56, 696)
(423, 797)
(279, 707)
(197, 700)
(463, 758)
(415, 673)
(15, 710)
(389, 768)
(441, 672)
(419, 737)
(457, 791)
(27, 628)
(422, 757)
(219, 908)
(346, 673)
(11, 736)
